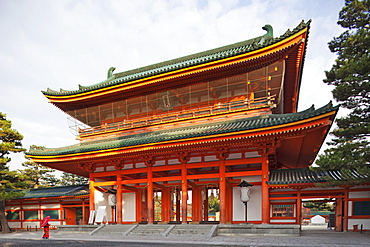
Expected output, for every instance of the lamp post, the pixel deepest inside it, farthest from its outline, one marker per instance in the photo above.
(245, 195)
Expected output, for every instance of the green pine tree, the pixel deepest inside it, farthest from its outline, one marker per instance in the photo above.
(72, 179)
(10, 181)
(349, 150)
(36, 175)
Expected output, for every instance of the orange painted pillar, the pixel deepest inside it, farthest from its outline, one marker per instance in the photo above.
(339, 214)
(230, 203)
(177, 204)
(265, 191)
(119, 197)
(206, 205)
(139, 202)
(92, 191)
(299, 208)
(83, 213)
(223, 188)
(150, 202)
(196, 204)
(345, 209)
(166, 204)
(184, 193)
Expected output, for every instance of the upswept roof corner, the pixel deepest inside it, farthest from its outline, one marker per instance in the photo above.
(186, 61)
(202, 130)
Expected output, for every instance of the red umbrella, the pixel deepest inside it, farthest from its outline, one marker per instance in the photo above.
(45, 221)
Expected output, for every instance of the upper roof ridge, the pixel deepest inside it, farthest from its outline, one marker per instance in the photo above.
(186, 61)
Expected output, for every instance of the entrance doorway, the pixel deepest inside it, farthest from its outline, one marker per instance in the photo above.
(70, 216)
(75, 215)
(322, 214)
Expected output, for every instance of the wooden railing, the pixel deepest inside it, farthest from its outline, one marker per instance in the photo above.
(217, 109)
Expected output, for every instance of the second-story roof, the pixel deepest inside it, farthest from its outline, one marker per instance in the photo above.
(235, 58)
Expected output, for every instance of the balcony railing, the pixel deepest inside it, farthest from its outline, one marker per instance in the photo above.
(217, 109)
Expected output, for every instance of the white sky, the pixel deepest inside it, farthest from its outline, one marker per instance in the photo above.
(60, 44)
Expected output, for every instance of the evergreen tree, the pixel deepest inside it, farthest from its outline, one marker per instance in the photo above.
(213, 204)
(38, 176)
(350, 149)
(72, 179)
(10, 181)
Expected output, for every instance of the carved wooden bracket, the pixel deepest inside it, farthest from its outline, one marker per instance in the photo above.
(89, 167)
(269, 148)
(118, 164)
(222, 153)
(149, 160)
(183, 157)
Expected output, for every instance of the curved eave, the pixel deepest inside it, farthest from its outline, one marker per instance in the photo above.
(263, 53)
(251, 135)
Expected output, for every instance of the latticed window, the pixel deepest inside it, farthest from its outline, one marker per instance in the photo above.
(54, 214)
(361, 208)
(31, 215)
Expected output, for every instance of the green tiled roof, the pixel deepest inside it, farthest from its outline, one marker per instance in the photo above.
(201, 130)
(72, 190)
(305, 175)
(187, 61)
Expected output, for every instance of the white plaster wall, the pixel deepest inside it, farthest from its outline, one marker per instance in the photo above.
(14, 224)
(317, 219)
(254, 205)
(30, 206)
(359, 194)
(101, 199)
(31, 224)
(50, 206)
(129, 207)
(350, 205)
(364, 222)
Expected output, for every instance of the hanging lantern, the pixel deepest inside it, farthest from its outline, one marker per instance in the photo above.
(245, 191)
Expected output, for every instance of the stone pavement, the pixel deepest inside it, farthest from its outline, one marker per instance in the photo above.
(308, 238)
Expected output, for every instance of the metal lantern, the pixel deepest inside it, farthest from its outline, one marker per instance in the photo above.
(245, 195)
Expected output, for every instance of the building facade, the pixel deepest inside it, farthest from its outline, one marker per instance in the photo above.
(166, 139)
(65, 205)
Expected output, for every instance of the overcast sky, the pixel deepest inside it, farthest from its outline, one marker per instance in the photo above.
(60, 44)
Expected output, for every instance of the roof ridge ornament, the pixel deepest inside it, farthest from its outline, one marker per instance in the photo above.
(270, 31)
(110, 72)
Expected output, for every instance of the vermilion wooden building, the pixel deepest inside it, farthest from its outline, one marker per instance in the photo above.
(166, 137)
(65, 205)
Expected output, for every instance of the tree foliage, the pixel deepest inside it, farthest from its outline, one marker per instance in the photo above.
(10, 181)
(319, 206)
(36, 175)
(72, 179)
(349, 150)
(213, 204)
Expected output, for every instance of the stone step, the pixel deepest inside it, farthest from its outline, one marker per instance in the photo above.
(145, 230)
(114, 229)
(190, 230)
(264, 230)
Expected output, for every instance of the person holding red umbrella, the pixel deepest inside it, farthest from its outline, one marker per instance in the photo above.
(45, 224)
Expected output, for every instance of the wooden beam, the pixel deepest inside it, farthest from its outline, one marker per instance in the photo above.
(244, 173)
(159, 186)
(126, 187)
(108, 183)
